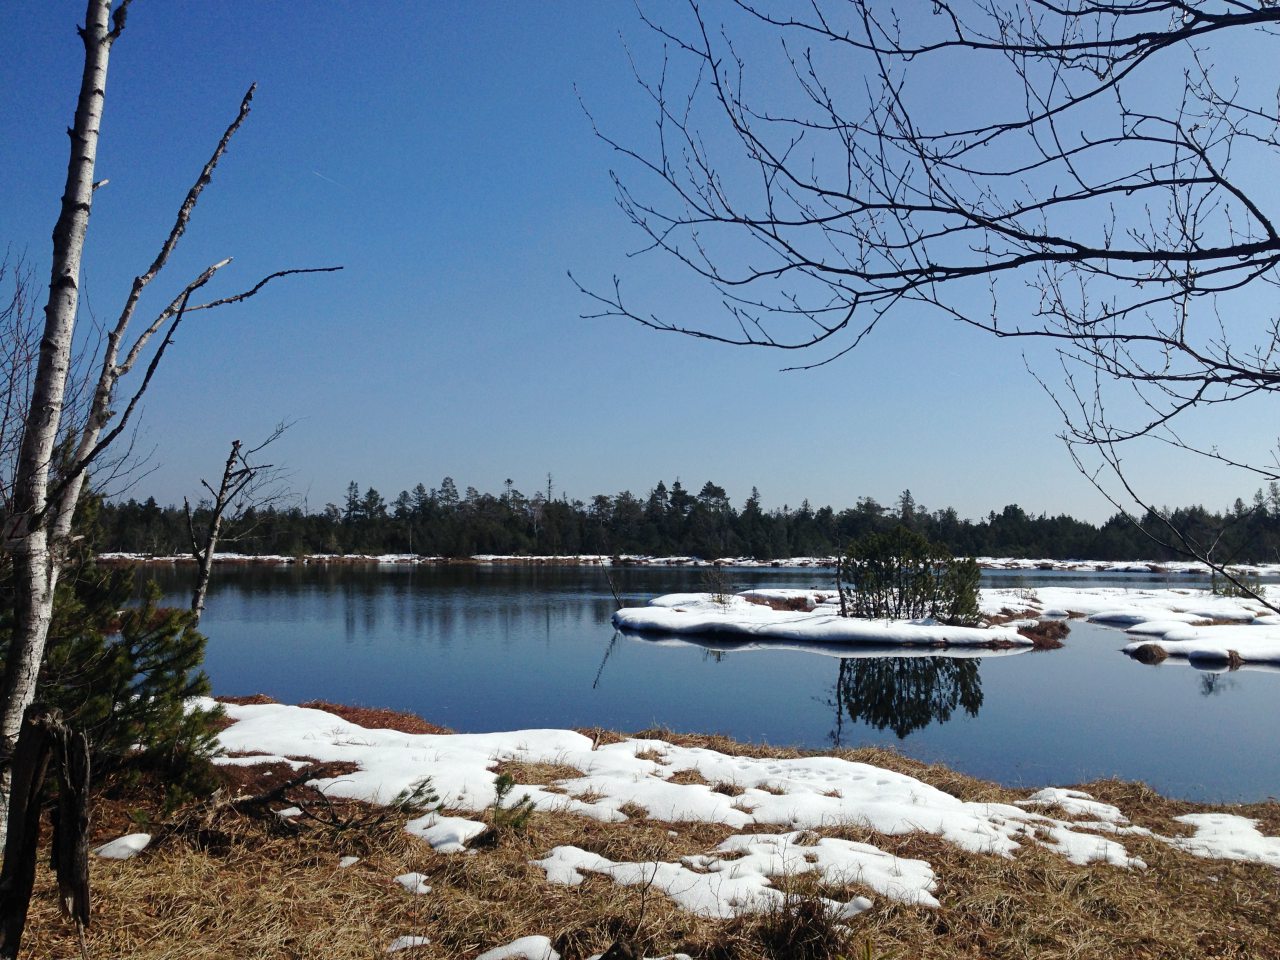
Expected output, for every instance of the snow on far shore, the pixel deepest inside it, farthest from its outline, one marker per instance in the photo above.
(1168, 568)
(702, 614)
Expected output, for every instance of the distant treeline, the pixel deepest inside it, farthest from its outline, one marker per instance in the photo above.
(671, 520)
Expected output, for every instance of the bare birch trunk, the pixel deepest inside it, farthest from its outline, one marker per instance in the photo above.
(39, 522)
(35, 551)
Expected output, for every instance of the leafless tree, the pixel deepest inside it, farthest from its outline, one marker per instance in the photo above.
(19, 342)
(1093, 173)
(246, 487)
(52, 465)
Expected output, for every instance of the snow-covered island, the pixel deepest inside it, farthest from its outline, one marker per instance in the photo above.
(803, 616)
(1191, 623)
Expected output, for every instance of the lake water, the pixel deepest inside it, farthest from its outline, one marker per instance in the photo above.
(481, 648)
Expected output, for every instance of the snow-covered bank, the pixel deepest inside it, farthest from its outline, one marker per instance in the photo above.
(781, 808)
(1120, 606)
(1255, 643)
(735, 616)
(1191, 623)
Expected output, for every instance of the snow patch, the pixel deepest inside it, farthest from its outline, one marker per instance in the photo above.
(124, 847)
(406, 943)
(446, 834)
(1228, 837)
(526, 948)
(415, 883)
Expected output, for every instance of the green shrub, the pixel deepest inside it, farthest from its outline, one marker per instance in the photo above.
(958, 592)
(899, 575)
(122, 671)
(1246, 583)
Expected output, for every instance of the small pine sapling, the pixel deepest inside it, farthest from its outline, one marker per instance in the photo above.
(417, 799)
(508, 819)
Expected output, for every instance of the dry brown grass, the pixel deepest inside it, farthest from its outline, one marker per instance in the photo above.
(255, 699)
(378, 718)
(1149, 653)
(1046, 634)
(786, 604)
(536, 774)
(224, 884)
(1007, 614)
(599, 736)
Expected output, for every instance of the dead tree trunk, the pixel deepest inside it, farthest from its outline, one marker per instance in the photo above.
(44, 737)
(241, 481)
(234, 479)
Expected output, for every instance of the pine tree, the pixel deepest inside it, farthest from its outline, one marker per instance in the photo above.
(123, 672)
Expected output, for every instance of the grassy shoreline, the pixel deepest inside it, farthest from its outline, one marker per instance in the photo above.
(222, 881)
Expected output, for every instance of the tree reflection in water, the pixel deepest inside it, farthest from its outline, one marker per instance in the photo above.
(905, 694)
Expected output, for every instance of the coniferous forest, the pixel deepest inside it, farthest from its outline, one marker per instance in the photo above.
(671, 520)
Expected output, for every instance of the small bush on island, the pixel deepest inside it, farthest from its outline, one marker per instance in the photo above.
(717, 583)
(900, 575)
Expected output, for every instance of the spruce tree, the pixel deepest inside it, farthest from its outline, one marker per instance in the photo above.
(122, 669)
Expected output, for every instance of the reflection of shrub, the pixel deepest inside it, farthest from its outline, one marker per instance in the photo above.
(906, 694)
(900, 575)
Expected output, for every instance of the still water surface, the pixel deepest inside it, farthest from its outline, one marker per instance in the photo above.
(507, 647)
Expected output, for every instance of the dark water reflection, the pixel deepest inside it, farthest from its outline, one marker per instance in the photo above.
(905, 694)
(490, 648)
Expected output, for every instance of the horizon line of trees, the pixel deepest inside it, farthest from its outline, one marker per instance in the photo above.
(673, 521)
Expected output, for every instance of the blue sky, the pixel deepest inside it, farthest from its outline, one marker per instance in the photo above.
(439, 153)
